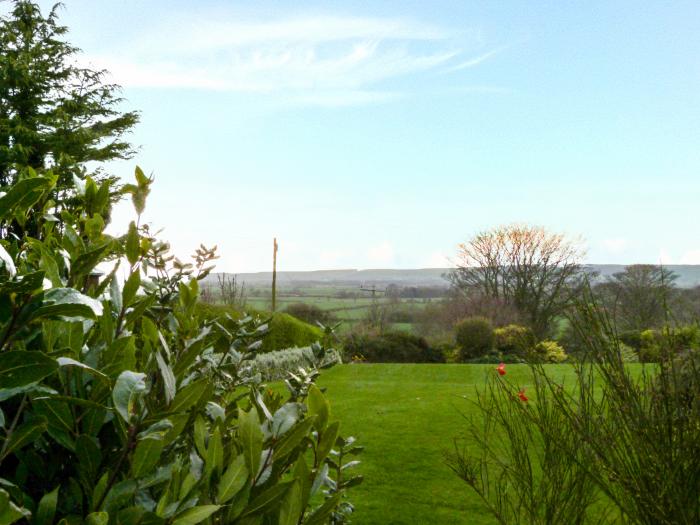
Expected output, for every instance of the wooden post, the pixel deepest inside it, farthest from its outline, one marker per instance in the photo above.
(274, 274)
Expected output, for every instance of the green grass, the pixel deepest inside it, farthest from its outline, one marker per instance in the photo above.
(407, 417)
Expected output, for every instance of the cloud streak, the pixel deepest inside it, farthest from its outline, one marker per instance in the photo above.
(322, 60)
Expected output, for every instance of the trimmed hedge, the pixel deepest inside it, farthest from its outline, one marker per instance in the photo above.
(285, 331)
(392, 347)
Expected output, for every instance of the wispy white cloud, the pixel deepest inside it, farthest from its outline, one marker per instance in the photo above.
(475, 61)
(323, 60)
(483, 90)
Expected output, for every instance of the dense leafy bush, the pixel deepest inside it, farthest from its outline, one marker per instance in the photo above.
(515, 340)
(120, 404)
(309, 313)
(547, 352)
(475, 337)
(650, 346)
(288, 332)
(391, 347)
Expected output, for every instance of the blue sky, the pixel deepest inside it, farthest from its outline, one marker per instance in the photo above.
(382, 134)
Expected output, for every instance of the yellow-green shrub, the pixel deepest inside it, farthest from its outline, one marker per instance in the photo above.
(515, 339)
(549, 352)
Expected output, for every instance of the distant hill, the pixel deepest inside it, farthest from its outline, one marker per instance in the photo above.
(688, 276)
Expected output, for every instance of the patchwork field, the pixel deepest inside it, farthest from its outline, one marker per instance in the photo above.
(347, 310)
(407, 417)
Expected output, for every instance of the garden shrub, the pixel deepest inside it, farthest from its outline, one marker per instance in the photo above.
(474, 337)
(685, 338)
(391, 347)
(548, 352)
(287, 332)
(515, 339)
(121, 404)
(650, 346)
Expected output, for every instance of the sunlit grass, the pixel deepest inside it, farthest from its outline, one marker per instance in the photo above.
(407, 417)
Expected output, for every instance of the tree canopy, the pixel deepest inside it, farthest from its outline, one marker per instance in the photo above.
(536, 271)
(54, 113)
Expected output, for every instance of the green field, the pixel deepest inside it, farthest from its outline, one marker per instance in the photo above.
(407, 417)
(349, 311)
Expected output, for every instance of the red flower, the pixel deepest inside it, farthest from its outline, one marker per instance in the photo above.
(501, 369)
(522, 395)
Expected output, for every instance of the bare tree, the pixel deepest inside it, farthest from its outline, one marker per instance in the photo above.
(231, 291)
(535, 271)
(639, 297)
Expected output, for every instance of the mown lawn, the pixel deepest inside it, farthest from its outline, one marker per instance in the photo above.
(407, 417)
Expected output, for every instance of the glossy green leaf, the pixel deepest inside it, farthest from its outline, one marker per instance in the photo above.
(268, 500)
(47, 508)
(157, 430)
(87, 451)
(23, 194)
(195, 514)
(68, 304)
(319, 407)
(24, 434)
(97, 518)
(330, 434)
(293, 438)
(292, 506)
(132, 244)
(131, 287)
(251, 438)
(169, 383)
(233, 480)
(189, 395)
(67, 361)
(214, 459)
(284, 419)
(320, 516)
(19, 368)
(9, 511)
(146, 456)
(128, 388)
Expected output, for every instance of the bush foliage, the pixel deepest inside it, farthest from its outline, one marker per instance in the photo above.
(548, 352)
(515, 340)
(121, 405)
(309, 313)
(391, 347)
(475, 337)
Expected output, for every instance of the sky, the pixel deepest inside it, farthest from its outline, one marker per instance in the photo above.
(383, 134)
